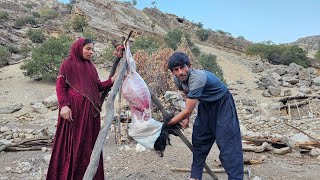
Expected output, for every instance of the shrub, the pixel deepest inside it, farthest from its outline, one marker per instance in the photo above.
(25, 20)
(198, 24)
(87, 32)
(108, 54)
(173, 38)
(202, 34)
(36, 14)
(149, 44)
(4, 55)
(317, 55)
(134, 2)
(194, 49)
(12, 49)
(78, 23)
(209, 63)
(279, 54)
(36, 35)
(24, 50)
(4, 15)
(46, 59)
(47, 13)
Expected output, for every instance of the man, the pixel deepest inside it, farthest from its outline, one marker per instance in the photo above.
(118, 54)
(216, 119)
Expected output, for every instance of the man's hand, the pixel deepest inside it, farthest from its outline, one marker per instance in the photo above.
(184, 123)
(66, 113)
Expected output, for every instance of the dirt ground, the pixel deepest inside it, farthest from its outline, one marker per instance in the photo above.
(123, 161)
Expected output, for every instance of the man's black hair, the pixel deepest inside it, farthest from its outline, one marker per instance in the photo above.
(87, 41)
(178, 59)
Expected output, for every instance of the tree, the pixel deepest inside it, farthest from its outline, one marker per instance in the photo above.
(134, 2)
(46, 59)
(36, 35)
(209, 63)
(154, 4)
(78, 23)
(173, 38)
(202, 34)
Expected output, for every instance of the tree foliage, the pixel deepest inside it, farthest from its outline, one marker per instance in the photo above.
(46, 59)
(279, 54)
(149, 44)
(202, 34)
(36, 35)
(78, 23)
(47, 14)
(209, 63)
(25, 20)
(173, 38)
(4, 15)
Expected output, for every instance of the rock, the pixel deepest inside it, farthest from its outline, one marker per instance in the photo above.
(7, 169)
(256, 178)
(274, 91)
(266, 94)
(316, 81)
(51, 101)
(300, 138)
(10, 109)
(47, 158)
(25, 167)
(292, 80)
(305, 90)
(315, 152)
(4, 129)
(287, 92)
(40, 108)
(304, 74)
(280, 70)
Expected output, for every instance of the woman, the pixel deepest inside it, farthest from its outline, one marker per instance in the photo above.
(78, 90)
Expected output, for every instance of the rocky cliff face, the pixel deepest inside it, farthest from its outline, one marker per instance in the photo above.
(107, 20)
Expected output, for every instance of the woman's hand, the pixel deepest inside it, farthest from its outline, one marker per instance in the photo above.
(66, 113)
(114, 77)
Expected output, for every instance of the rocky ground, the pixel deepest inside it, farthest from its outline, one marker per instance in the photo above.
(128, 160)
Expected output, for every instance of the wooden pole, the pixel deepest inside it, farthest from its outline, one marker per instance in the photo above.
(98, 146)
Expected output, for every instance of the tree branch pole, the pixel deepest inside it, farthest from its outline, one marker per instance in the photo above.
(165, 114)
(98, 146)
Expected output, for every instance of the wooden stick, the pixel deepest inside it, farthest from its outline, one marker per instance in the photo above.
(96, 152)
(303, 133)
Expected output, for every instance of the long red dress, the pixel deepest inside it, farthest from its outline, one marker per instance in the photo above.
(75, 140)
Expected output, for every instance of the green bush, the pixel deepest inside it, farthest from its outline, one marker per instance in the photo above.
(209, 63)
(149, 44)
(4, 15)
(223, 32)
(12, 49)
(24, 50)
(79, 23)
(202, 34)
(108, 54)
(198, 24)
(36, 14)
(46, 59)
(25, 20)
(279, 54)
(87, 32)
(317, 55)
(173, 38)
(47, 13)
(194, 49)
(36, 35)
(4, 55)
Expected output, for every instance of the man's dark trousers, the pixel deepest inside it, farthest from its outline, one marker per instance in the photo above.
(218, 121)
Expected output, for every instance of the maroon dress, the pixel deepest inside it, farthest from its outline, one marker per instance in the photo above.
(79, 88)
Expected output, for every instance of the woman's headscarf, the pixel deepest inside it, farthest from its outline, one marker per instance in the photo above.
(81, 75)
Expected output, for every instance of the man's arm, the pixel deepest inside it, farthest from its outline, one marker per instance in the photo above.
(190, 105)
